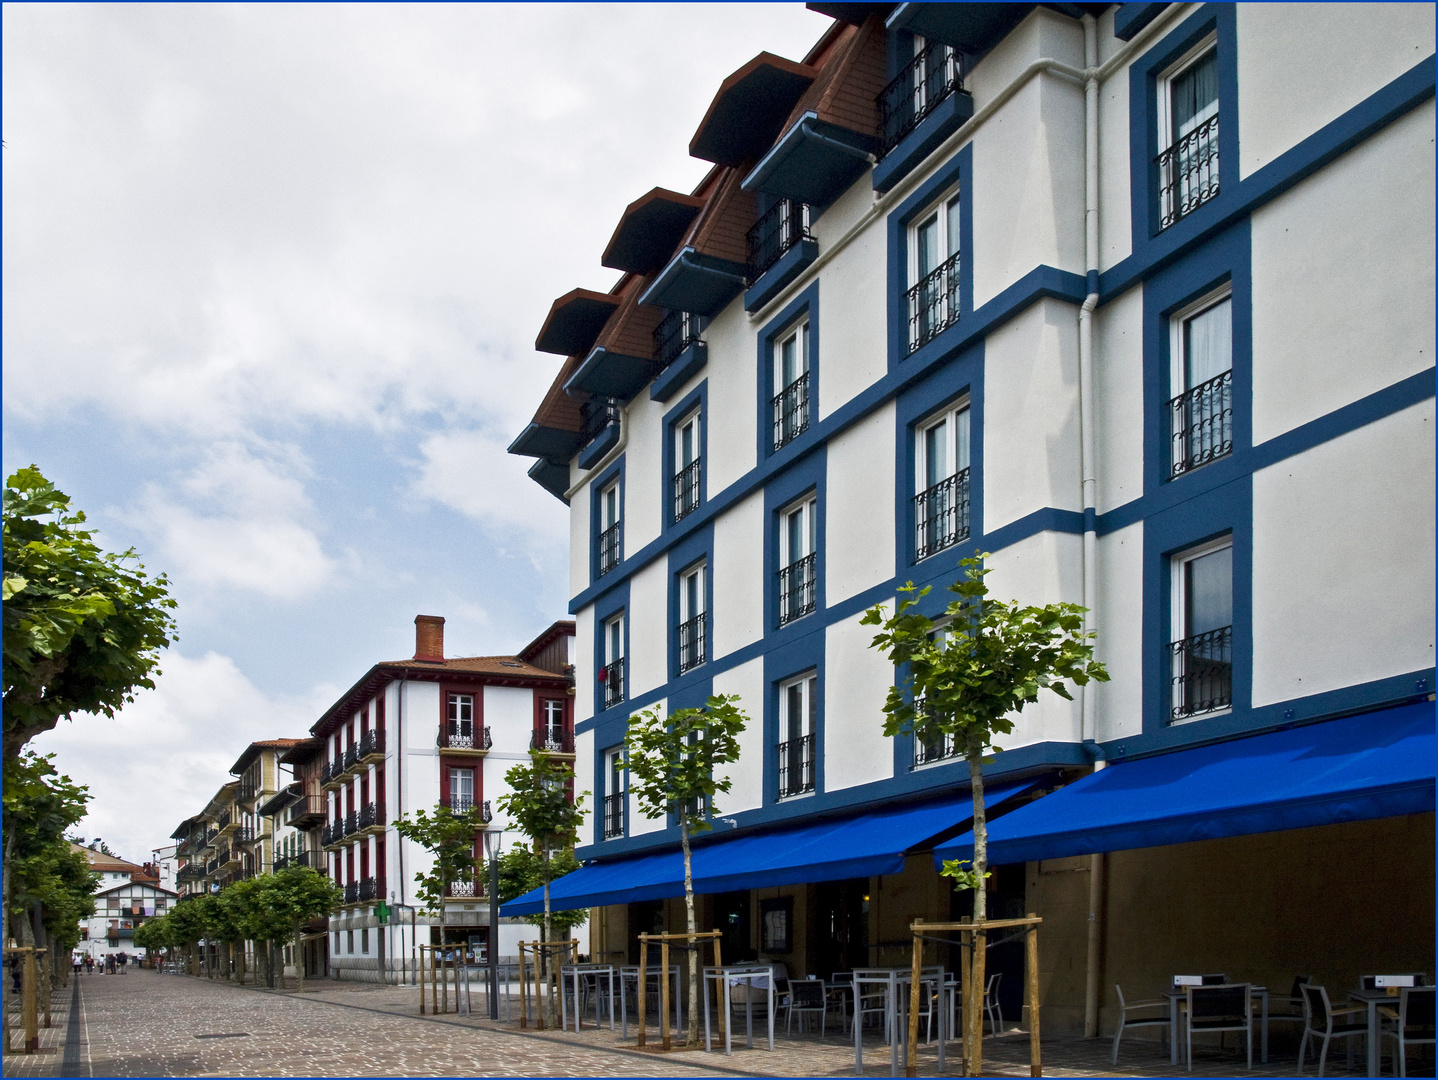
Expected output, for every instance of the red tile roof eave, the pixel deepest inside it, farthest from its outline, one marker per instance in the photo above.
(388, 671)
(256, 748)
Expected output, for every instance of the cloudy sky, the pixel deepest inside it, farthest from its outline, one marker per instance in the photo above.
(272, 278)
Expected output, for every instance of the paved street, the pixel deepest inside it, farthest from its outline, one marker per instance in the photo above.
(144, 1024)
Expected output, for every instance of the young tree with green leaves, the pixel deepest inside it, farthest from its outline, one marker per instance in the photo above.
(540, 806)
(967, 681)
(522, 869)
(449, 837)
(83, 627)
(284, 901)
(187, 922)
(672, 764)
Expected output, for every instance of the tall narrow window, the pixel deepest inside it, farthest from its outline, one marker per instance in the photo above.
(791, 378)
(687, 465)
(693, 619)
(1201, 657)
(1188, 130)
(611, 673)
(609, 528)
(553, 736)
(461, 721)
(1200, 414)
(934, 271)
(941, 502)
(461, 790)
(614, 792)
(798, 538)
(796, 735)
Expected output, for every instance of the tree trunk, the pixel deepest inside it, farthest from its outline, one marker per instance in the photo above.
(300, 961)
(692, 1035)
(5, 932)
(981, 835)
(240, 962)
(546, 934)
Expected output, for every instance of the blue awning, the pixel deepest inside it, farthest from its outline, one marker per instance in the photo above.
(1376, 765)
(830, 850)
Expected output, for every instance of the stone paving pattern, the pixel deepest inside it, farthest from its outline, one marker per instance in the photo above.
(146, 1024)
(52, 1039)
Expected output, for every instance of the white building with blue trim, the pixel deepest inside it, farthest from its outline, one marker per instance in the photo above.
(1139, 298)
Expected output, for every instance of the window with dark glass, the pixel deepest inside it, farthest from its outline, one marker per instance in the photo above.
(1200, 413)
(609, 524)
(934, 271)
(1201, 656)
(687, 465)
(611, 671)
(791, 377)
(796, 735)
(460, 728)
(693, 620)
(941, 503)
(798, 538)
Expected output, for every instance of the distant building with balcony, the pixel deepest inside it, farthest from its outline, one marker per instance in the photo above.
(127, 895)
(410, 735)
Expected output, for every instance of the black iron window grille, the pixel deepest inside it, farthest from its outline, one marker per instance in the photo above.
(686, 489)
(781, 227)
(933, 75)
(485, 814)
(791, 411)
(552, 742)
(609, 549)
(372, 743)
(675, 333)
(796, 590)
(614, 815)
(941, 515)
(351, 758)
(1188, 173)
(369, 815)
(463, 736)
(1202, 673)
(611, 682)
(315, 860)
(461, 804)
(352, 823)
(691, 642)
(1201, 423)
(368, 888)
(796, 766)
(934, 303)
(937, 746)
(595, 415)
(352, 892)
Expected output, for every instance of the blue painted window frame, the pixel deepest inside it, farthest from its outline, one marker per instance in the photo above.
(781, 665)
(612, 603)
(696, 398)
(806, 477)
(597, 487)
(959, 170)
(805, 305)
(696, 548)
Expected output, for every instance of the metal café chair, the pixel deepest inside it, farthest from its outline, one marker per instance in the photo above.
(1163, 1022)
(841, 997)
(1226, 1007)
(1325, 1022)
(992, 1012)
(1411, 1025)
(807, 997)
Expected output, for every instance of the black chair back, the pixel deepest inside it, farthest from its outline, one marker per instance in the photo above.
(1368, 982)
(1298, 980)
(806, 994)
(1317, 1001)
(1417, 1009)
(1213, 1004)
(1214, 980)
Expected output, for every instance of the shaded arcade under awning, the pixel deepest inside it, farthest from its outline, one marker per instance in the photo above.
(829, 850)
(1379, 764)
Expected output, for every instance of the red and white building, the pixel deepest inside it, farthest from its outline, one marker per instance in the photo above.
(409, 735)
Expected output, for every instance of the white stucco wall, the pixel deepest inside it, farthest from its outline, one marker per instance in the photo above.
(1343, 580)
(509, 715)
(1286, 60)
(637, 822)
(421, 715)
(1118, 618)
(586, 674)
(1343, 279)
(648, 616)
(732, 372)
(859, 519)
(853, 351)
(643, 461)
(580, 541)
(747, 774)
(738, 591)
(1031, 414)
(1118, 399)
(856, 682)
(586, 783)
(1115, 216)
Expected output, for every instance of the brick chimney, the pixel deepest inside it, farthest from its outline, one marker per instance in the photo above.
(429, 638)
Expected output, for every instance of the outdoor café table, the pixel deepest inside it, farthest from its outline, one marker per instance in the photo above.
(896, 983)
(628, 974)
(755, 977)
(1373, 999)
(1177, 996)
(576, 973)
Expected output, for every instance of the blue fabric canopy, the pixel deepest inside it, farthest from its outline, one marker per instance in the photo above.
(829, 850)
(1376, 765)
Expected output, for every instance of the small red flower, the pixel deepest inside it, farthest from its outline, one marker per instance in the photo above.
(603, 675)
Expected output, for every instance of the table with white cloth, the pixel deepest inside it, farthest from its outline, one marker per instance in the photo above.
(753, 977)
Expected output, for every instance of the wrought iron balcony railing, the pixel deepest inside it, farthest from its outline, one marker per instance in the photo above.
(464, 804)
(675, 333)
(352, 892)
(595, 415)
(315, 860)
(351, 758)
(933, 75)
(934, 303)
(459, 738)
(941, 515)
(791, 411)
(335, 832)
(686, 489)
(784, 225)
(692, 640)
(247, 834)
(309, 807)
(369, 815)
(1188, 173)
(1201, 671)
(935, 748)
(223, 821)
(614, 815)
(467, 889)
(611, 683)
(796, 766)
(371, 745)
(552, 742)
(369, 888)
(281, 862)
(351, 823)
(1200, 424)
(796, 590)
(609, 549)
(248, 790)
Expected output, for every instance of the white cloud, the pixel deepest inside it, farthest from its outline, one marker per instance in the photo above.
(162, 758)
(238, 520)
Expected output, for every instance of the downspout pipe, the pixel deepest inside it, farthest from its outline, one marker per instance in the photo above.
(842, 147)
(1088, 472)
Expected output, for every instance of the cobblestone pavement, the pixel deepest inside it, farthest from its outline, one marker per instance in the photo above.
(164, 1025)
(48, 1061)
